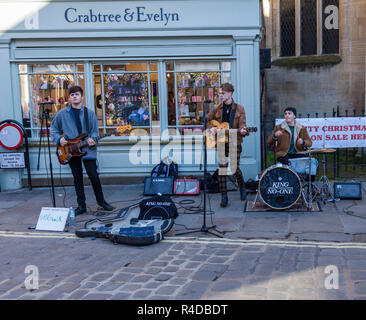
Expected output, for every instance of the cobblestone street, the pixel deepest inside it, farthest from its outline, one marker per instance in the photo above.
(179, 268)
(263, 255)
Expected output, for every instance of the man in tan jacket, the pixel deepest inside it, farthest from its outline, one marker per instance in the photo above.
(234, 114)
(289, 138)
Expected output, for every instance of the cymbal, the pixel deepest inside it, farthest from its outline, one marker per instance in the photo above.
(321, 150)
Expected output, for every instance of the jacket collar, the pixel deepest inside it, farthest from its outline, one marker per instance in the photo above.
(68, 108)
(298, 127)
(221, 105)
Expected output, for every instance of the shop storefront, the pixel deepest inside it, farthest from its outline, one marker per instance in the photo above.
(150, 64)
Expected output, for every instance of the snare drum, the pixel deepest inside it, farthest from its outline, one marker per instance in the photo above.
(301, 165)
(280, 187)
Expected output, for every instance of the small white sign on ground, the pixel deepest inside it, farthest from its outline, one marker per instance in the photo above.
(52, 219)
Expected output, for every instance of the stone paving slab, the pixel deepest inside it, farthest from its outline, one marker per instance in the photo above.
(353, 225)
(23, 208)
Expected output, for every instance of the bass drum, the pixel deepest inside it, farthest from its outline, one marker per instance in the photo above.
(280, 187)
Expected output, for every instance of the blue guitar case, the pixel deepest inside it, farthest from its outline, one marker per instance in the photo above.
(127, 228)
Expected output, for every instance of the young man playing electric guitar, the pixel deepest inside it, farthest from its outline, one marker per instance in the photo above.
(73, 121)
(234, 114)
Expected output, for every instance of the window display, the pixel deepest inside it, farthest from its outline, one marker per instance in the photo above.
(126, 99)
(126, 93)
(189, 87)
(46, 83)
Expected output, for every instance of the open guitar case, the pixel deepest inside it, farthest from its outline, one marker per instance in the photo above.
(127, 228)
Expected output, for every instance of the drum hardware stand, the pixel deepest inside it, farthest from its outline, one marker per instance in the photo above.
(44, 115)
(256, 198)
(310, 193)
(325, 189)
(204, 228)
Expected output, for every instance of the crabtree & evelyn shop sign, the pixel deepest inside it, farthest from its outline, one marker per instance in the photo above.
(134, 14)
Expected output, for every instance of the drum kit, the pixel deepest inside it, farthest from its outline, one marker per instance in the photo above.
(281, 186)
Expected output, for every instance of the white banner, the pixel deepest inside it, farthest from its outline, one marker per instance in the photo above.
(349, 132)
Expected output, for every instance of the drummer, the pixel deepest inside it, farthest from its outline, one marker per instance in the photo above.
(289, 138)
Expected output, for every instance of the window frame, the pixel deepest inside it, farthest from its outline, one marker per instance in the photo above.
(89, 94)
(319, 33)
(35, 130)
(103, 72)
(221, 70)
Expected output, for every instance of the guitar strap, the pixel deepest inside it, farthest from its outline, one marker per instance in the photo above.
(232, 116)
(86, 118)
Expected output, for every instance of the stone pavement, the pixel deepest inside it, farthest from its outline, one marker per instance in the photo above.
(272, 255)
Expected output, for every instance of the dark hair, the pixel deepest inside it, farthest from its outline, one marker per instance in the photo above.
(227, 87)
(74, 89)
(290, 109)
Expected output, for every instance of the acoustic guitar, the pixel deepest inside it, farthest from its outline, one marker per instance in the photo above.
(73, 147)
(222, 133)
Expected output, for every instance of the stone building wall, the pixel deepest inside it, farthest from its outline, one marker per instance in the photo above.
(318, 87)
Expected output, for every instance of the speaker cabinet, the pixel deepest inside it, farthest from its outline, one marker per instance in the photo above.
(265, 58)
(187, 187)
(348, 190)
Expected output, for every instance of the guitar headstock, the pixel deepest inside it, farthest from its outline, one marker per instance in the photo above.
(122, 129)
(252, 129)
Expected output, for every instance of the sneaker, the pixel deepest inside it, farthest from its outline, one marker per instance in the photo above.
(105, 206)
(224, 201)
(243, 193)
(80, 210)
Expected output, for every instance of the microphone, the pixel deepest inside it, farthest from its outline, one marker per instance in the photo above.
(49, 102)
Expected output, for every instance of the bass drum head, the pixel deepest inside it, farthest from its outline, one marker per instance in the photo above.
(280, 187)
(155, 214)
(167, 225)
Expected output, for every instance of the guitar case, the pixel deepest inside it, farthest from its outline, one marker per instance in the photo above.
(127, 228)
(142, 232)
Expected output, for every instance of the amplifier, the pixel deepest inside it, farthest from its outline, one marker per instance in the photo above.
(187, 187)
(265, 58)
(156, 185)
(348, 190)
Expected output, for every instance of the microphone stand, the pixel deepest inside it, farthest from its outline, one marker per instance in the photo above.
(45, 116)
(204, 227)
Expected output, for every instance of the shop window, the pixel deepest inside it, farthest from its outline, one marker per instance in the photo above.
(46, 83)
(126, 94)
(189, 87)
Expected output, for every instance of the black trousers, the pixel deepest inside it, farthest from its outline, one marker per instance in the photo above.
(91, 170)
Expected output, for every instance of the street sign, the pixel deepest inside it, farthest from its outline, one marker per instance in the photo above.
(12, 160)
(11, 136)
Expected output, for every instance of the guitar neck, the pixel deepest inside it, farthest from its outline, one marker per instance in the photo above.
(249, 129)
(85, 142)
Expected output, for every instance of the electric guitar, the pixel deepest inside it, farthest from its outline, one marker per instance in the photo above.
(73, 147)
(222, 133)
